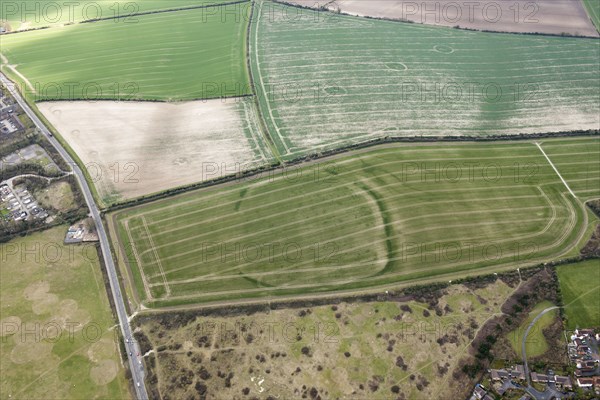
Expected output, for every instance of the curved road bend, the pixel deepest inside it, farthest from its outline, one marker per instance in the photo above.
(524, 341)
(131, 346)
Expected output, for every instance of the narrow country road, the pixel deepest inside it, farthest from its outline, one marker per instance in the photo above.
(131, 346)
(524, 352)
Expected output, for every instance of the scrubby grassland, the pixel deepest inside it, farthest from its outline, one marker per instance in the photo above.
(58, 196)
(57, 332)
(168, 56)
(350, 79)
(385, 215)
(352, 350)
(29, 14)
(536, 344)
(593, 8)
(580, 287)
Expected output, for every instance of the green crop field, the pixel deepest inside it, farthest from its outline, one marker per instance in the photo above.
(593, 8)
(57, 333)
(580, 287)
(27, 14)
(328, 80)
(391, 214)
(578, 163)
(167, 56)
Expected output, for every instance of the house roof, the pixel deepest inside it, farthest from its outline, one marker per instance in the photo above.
(518, 371)
(498, 373)
(519, 368)
(585, 381)
(563, 380)
(480, 390)
(585, 331)
(539, 377)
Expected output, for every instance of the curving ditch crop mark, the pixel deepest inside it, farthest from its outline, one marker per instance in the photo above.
(388, 227)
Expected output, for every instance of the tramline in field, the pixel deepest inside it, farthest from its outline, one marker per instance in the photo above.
(387, 215)
(173, 56)
(353, 79)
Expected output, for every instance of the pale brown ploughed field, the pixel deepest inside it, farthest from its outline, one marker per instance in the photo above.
(527, 16)
(132, 149)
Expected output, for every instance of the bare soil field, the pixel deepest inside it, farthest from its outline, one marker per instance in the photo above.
(539, 16)
(133, 149)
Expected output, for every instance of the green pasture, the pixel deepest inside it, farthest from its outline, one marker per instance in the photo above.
(580, 287)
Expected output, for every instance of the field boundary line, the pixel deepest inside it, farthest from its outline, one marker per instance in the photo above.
(283, 176)
(555, 170)
(262, 83)
(378, 135)
(158, 262)
(350, 15)
(592, 15)
(141, 13)
(344, 158)
(138, 261)
(263, 129)
(255, 140)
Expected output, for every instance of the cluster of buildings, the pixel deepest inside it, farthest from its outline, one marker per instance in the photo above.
(584, 356)
(9, 123)
(516, 373)
(560, 382)
(515, 378)
(19, 205)
(83, 231)
(583, 352)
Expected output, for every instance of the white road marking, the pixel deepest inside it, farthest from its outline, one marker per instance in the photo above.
(555, 170)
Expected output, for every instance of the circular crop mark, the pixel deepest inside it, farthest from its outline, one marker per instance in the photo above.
(396, 66)
(335, 90)
(440, 48)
